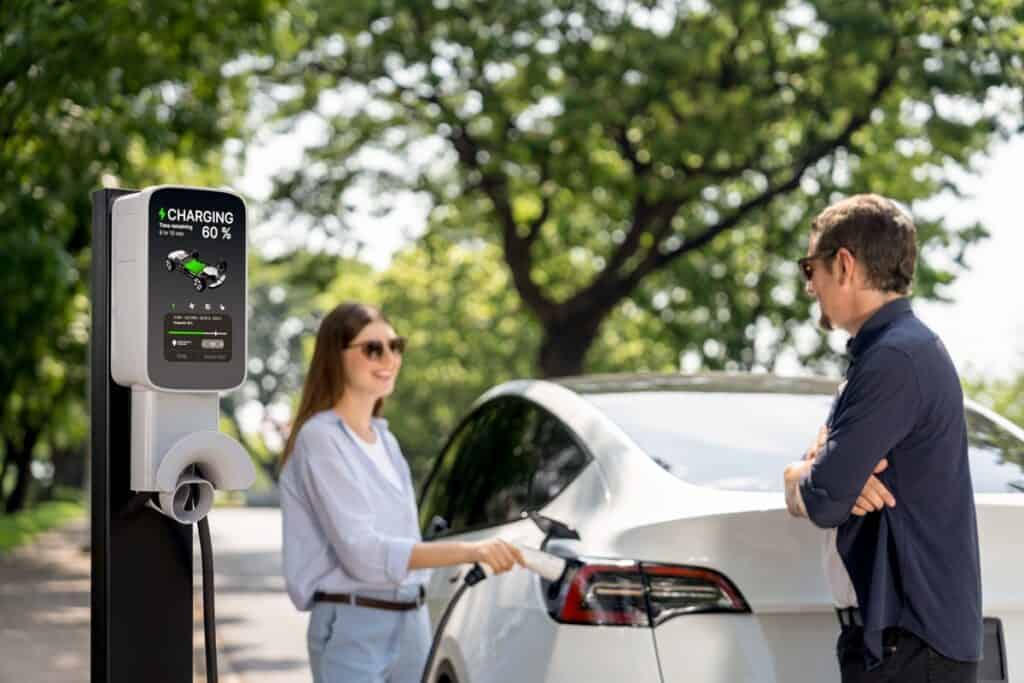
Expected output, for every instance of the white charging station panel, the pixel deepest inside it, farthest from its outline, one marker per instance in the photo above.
(178, 339)
(179, 289)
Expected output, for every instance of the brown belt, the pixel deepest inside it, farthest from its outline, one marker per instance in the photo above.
(348, 599)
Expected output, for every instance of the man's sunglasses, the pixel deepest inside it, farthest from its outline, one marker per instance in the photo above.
(374, 349)
(807, 262)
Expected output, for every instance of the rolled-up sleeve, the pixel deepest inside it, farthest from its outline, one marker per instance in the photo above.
(878, 410)
(346, 514)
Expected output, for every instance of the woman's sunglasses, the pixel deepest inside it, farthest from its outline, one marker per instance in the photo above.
(374, 348)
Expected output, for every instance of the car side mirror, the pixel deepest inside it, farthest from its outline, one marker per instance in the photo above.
(438, 525)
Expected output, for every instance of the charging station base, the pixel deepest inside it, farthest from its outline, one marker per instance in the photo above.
(141, 602)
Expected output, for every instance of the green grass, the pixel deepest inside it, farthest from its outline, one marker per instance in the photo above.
(19, 528)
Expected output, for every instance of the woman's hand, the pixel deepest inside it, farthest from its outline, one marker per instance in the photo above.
(497, 554)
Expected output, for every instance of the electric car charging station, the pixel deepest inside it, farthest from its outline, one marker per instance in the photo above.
(169, 335)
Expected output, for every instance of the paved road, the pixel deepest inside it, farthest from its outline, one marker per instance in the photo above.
(44, 609)
(263, 637)
(44, 605)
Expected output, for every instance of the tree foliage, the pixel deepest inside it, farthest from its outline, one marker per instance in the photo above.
(467, 331)
(93, 94)
(465, 325)
(614, 184)
(667, 154)
(287, 299)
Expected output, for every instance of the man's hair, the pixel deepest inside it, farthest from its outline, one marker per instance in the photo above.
(878, 234)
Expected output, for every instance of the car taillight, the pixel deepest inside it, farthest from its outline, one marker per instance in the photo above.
(603, 594)
(639, 594)
(677, 590)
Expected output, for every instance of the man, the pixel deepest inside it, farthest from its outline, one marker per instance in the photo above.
(889, 471)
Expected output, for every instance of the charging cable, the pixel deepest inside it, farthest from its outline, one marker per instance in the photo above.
(206, 559)
(473, 577)
(209, 622)
(547, 566)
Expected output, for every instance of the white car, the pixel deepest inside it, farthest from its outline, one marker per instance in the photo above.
(688, 567)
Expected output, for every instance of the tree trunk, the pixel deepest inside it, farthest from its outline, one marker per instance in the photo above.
(565, 345)
(3, 468)
(68, 467)
(23, 462)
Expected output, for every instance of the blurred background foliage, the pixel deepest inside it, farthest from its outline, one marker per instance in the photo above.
(611, 186)
(117, 93)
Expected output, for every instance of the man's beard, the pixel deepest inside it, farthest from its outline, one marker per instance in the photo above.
(825, 322)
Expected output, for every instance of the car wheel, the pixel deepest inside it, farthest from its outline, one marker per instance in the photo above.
(198, 284)
(169, 265)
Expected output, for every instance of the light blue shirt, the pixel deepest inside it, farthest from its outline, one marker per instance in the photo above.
(347, 527)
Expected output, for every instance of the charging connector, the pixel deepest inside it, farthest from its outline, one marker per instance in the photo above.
(550, 568)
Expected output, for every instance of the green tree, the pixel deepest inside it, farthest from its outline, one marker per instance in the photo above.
(466, 326)
(668, 154)
(286, 298)
(44, 411)
(92, 94)
(467, 331)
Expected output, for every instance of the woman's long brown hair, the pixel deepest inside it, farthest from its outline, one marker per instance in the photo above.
(325, 381)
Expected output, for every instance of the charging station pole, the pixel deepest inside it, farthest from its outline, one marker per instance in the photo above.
(141, 628)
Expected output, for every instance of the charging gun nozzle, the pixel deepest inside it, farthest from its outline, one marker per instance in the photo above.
(475, 575)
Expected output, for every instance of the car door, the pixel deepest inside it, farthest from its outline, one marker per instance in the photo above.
(479, 481)
(500, 629)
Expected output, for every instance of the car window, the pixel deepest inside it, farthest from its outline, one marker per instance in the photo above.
(483, 475)
(434, 499)
(743, 441)
(997, 456)
(559, 460)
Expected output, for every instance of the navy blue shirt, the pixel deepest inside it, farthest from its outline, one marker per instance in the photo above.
(916, 565)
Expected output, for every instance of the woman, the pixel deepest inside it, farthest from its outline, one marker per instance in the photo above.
(353, 553)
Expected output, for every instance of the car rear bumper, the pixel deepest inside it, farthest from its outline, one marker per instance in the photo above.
(744, 648)
(784, 648)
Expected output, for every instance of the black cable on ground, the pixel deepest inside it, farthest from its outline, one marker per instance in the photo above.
(209, 625)
(473, 577)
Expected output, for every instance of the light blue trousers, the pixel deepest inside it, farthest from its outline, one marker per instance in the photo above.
(351, 644)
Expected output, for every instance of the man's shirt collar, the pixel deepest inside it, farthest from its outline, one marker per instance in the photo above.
(874, 325)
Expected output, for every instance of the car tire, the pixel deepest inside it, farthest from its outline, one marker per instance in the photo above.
(198, 284)
(169, 265)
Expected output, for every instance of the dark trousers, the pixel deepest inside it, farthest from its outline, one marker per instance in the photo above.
(906, 659)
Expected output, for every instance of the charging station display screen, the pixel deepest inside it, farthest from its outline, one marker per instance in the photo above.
(196, 289)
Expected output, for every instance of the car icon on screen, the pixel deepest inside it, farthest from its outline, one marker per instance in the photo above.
(203, 275)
